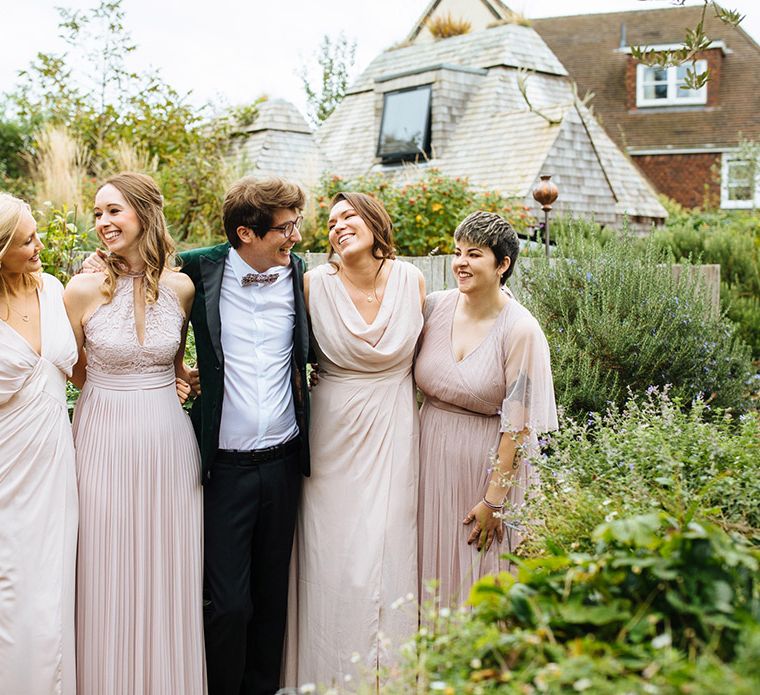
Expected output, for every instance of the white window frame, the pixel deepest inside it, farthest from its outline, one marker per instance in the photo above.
(672, 83)
(725, 201)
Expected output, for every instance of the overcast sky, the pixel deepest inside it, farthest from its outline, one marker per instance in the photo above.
(231, 51)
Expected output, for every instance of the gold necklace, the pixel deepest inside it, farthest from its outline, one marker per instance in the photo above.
(370, 297)
(24, 317)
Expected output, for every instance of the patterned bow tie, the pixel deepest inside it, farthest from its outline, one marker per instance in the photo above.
(259, 278)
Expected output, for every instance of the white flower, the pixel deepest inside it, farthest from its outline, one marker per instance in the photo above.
(476, 663)
(355, 658)
(438, 685)
(663, 640)
(410, 596)
(444, 612)
(582, 684)
(308, 688)
(347, 678)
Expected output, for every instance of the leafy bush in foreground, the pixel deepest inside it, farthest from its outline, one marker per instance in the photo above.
(663, 605)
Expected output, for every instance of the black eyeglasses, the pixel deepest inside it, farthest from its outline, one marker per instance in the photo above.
(288, 227)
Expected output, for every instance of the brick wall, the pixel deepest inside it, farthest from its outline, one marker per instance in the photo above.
(691, 179)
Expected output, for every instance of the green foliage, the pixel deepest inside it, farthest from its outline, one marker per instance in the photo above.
(731, 239)
(65, 245)
(653, 454)
(663, 604)
(617, 320)
(14, 139)
(126, 120)
(425, 210)
(335, 59)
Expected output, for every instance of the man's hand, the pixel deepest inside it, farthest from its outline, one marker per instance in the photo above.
(313, 374)
(94, 262)
(183, 390)
(191, 376)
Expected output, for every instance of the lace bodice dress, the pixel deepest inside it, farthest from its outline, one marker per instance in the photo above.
(111, 334)
(139, 621)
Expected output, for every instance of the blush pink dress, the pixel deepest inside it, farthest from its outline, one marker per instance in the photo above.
(504, 385)
(38, 506)
(357, 540)
(139, 570)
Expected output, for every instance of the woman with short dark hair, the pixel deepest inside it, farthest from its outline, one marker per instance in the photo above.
(483, 367)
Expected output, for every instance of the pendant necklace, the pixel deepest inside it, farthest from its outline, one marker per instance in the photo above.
(370, 297)
(24, 317)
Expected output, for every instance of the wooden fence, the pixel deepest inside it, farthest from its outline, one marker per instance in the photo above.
(438, 274)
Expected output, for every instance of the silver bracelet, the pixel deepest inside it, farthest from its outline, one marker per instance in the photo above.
(493, 507)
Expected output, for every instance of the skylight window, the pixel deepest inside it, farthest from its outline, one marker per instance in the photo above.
(405, 126)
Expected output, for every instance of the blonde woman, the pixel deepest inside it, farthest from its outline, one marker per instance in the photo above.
(38, 501)
(139, 571)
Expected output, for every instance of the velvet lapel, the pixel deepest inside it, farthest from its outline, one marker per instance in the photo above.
(301, 331)
(212, 272)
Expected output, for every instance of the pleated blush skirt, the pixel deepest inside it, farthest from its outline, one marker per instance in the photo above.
(139, 620)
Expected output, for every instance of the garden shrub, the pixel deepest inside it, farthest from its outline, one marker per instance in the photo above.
(65, 244)
(663, 604)
(425, 210)
(652, 454)
(731, 239)
(617, 320)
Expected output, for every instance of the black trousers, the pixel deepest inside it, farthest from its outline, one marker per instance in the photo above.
(249, 520)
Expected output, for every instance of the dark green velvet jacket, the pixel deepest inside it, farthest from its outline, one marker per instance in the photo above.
(206, 269)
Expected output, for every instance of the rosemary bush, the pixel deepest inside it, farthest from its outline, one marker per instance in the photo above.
(617, 320)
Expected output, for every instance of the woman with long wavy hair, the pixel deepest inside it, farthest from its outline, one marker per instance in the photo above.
(38, 498)
(139, 570)
(357, 540)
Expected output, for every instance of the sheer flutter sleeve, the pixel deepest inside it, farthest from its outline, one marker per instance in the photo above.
(529, 401)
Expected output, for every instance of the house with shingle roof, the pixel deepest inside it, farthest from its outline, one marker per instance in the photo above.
(494, 105)
(686, 142)
(278, 142)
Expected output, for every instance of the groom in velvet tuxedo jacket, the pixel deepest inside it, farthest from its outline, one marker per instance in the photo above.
(251, 420)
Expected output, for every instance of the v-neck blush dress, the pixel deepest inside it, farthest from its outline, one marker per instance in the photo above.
(357, 539)
(504, 385)
(38, 506)
(139, 570)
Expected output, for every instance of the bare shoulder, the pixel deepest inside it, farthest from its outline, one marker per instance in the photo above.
(179, 282)
(84, 286)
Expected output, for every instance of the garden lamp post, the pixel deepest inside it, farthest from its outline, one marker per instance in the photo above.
(545, 194)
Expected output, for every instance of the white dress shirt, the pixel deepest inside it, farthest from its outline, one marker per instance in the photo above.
(257, 342)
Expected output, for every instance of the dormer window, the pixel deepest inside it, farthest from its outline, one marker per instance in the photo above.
(663, 86)
(405, 125)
